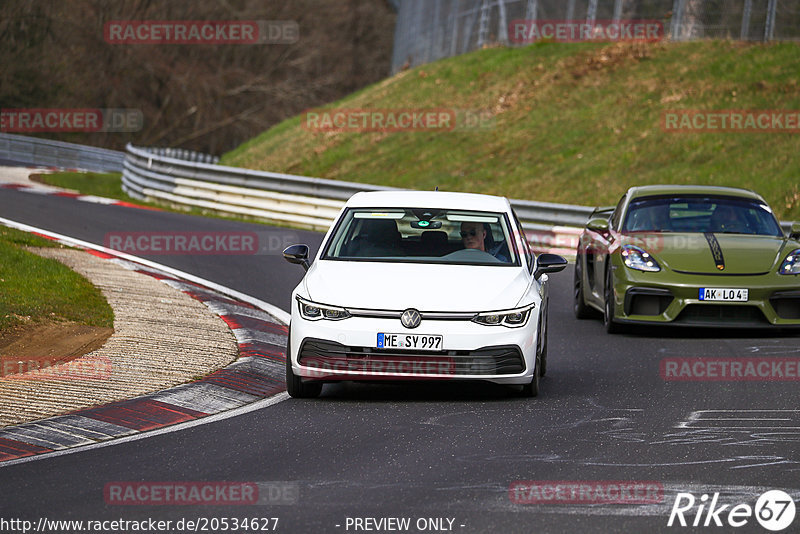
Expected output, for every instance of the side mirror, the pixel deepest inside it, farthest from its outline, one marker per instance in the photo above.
(794, 233)
(549, 263)
(598, 224)
(297, 254)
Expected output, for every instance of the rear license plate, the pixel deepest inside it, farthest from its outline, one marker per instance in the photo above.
(409, 341)
(720, 294)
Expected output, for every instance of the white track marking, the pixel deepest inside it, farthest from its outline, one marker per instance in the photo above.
(258, 405)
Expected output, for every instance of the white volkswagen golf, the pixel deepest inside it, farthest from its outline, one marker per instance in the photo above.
(411, 285)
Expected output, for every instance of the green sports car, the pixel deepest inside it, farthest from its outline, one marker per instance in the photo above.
(688, 255)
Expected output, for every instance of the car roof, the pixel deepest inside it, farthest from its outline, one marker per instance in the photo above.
(428, 199)
(654, 190)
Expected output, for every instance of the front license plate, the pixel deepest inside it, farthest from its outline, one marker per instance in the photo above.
(409, 341)
(720, 294)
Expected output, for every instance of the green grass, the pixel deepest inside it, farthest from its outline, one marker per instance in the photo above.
(33, 288)
(89, 183)
(572, 123)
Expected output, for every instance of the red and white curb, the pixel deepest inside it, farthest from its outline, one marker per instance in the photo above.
(257, 374)
(57, 192)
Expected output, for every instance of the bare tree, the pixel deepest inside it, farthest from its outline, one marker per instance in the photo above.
(204, 97)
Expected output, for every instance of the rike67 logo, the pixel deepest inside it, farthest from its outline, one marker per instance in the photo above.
(774, 510)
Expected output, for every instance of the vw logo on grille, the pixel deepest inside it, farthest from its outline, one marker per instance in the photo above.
(411, 318)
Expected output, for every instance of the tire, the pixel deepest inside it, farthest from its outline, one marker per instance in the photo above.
(579, 307)
(610, 325)
(294, 384)
(532, 389)
(543, 353)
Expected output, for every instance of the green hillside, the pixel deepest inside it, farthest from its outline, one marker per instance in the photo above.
(575, 123)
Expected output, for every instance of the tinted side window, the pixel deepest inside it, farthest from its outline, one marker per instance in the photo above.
(526, 250)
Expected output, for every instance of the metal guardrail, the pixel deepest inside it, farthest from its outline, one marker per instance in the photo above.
(36, 151)
(298, 200)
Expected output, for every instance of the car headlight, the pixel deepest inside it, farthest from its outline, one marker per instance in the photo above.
(511, 318)
(639, 259)
(791, 265)
(313, 311)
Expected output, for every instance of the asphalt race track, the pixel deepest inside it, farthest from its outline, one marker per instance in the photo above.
(442, 450)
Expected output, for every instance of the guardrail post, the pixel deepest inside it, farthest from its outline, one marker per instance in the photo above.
(483, 29)
(769, 29)
(676, 20)
(591, 12)
(532, 8)
(468, 29)
(454, 16)
(502, 31)
(748, 8)
(570, 10)
(617, 11)
(433, 42)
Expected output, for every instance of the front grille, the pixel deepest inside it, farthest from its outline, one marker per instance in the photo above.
(327, 355)
(721, 315)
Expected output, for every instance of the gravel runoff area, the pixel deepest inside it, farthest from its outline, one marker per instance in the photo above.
(162, 337)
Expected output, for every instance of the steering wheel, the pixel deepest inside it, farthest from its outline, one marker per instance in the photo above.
(472, 254)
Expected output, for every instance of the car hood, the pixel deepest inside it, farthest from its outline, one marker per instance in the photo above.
(741, 254)
(397, 286)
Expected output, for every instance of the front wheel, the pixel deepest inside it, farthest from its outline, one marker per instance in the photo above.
(531, 389)
(579, 307)
(611, 326)
(543, 350)
(294, 384)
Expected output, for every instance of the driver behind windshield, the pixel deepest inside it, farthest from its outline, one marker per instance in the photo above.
(476, 235)
(726, 219)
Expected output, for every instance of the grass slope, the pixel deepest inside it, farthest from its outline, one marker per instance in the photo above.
(573, 123)
(33, 288)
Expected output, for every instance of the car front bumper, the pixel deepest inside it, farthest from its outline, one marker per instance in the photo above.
(347, 350)
(671, 297)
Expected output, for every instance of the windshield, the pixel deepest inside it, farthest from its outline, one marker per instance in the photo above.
(722, 215)
(423, 235)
